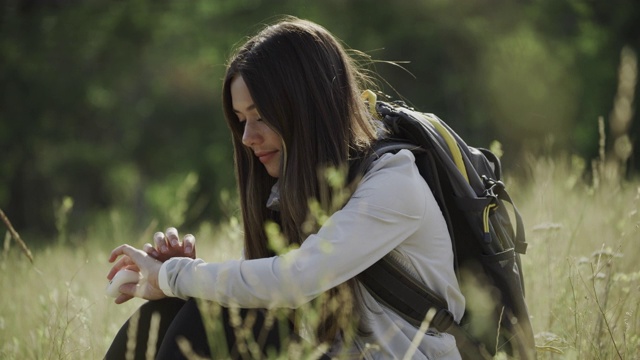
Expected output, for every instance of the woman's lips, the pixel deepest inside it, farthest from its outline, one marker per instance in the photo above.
(266, 156)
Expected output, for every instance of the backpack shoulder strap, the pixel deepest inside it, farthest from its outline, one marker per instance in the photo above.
(417, 304)
(386, 279)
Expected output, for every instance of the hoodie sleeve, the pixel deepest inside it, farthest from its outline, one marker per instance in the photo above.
(386, 208)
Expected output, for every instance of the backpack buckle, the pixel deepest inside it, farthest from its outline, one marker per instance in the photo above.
(492, 187)
(442, 320)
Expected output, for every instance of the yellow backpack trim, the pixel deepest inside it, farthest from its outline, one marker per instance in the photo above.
(452, 144)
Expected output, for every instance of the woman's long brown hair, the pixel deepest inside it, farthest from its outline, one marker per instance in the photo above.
(307, 89)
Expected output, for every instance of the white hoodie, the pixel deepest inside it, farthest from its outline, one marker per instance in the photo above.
(392, 209)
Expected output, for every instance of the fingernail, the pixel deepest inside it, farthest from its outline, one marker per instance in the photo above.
(187, 249)
(164, 248)
(174, 242)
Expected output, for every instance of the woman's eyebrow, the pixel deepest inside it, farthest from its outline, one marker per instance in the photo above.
(249, 108)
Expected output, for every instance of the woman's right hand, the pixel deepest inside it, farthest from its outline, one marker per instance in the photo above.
(136, 260)
(168, 244)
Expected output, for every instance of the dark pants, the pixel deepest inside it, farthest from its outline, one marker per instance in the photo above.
(179, 319)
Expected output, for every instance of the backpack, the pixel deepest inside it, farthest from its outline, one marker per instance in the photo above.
(487, 241)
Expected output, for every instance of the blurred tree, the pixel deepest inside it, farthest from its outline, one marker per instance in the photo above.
(100, 102)
(115, 104)
(593, 34)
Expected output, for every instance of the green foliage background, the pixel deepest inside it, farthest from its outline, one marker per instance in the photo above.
(115, 105)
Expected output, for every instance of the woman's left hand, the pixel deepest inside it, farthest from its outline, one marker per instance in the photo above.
(137, 260)
(168, 245)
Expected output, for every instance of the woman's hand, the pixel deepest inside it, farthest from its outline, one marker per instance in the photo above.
(136, 260)
(167, 245)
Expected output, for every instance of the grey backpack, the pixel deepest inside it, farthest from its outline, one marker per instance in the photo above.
(487, 235)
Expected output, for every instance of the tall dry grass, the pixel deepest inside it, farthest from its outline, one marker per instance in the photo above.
(581, 272)
(56, 308)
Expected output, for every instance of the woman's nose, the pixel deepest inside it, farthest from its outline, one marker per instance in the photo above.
(251, 134)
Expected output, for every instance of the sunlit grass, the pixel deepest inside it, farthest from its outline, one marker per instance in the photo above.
(581, 274)
(581, 270)
(57, 307)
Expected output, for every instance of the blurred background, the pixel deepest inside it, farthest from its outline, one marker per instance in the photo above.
(110, 110)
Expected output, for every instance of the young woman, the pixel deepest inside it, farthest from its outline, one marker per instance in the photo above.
(292, 100)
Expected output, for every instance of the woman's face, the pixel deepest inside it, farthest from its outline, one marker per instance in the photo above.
(265, 143)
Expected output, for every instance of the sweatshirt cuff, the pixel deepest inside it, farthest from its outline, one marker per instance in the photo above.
(163, 280)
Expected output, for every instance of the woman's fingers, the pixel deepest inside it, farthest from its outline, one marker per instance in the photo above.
(133, 257)
(151, 250)
(125, 262)
(172, 238)
(189, 244)
(120, 264)
(168, 244)
(160, 242)
(141, 290)
(124, 249)
(122, 298)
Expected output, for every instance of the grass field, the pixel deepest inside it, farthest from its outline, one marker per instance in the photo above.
(581, 273)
